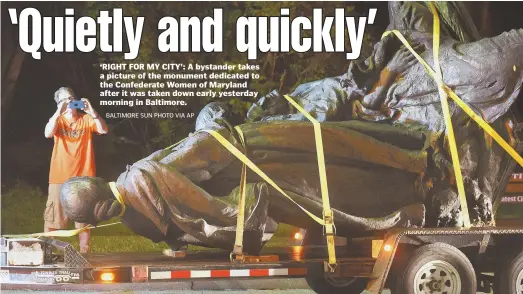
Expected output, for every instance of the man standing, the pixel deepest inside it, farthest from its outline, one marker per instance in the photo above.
(73, 154)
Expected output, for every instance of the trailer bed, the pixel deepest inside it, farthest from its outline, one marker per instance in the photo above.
(293, 254)
(125, 267)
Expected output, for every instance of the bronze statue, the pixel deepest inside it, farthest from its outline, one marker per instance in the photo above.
(385, 150)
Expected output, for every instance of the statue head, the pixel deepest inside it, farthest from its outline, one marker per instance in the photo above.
(88, 200)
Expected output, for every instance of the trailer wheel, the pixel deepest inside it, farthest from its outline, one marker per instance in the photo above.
(509, 279)
(437, 268)
(322, 284)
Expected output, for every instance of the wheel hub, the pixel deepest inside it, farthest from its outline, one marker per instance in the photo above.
(437, 277)
(434, 285)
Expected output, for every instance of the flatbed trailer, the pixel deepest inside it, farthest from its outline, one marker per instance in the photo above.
(149, 267)
(358, 266)
(110, 268)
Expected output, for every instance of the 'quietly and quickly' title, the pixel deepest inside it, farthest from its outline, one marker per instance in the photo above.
(114, 32)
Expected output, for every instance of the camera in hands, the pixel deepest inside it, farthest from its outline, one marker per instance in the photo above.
(76, 103)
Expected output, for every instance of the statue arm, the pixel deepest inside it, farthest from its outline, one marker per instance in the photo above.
(160, 191)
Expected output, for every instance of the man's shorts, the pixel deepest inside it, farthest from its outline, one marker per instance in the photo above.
(54, 216)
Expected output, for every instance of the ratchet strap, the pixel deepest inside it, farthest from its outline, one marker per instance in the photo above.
(60, 233)
(238, 242)
(448, 121)
(444, 90)
(445, 108)
(328, 216)
(327, 220)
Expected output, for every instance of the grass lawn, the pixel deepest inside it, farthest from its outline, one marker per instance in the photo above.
(22, 213)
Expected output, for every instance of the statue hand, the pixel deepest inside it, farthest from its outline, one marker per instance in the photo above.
(403, 59)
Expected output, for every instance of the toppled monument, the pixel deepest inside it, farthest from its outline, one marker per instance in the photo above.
(387, 159)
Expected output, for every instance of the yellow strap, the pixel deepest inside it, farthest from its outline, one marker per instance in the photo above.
(320, 154)
(448, 121)
(60, 233)
(446, 114)
(482, 123)
(251, 165)
(486, 127)
(258, 171)
(327, 212)
(446, 90)
(118, 196)
(327, 220)
(238, 243)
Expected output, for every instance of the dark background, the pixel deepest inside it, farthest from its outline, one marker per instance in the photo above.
(25, 150)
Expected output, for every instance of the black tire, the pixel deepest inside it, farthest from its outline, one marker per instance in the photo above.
(509, 277)
(436, 266)
(320, 284)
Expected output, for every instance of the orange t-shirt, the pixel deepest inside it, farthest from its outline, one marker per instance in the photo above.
(73, 153)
